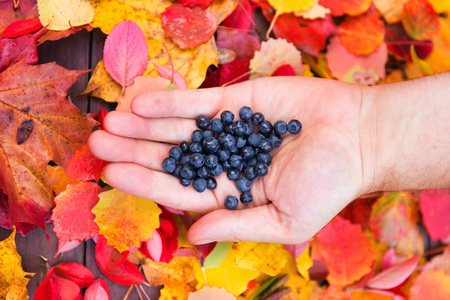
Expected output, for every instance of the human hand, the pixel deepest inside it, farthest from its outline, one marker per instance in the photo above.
(312, 176)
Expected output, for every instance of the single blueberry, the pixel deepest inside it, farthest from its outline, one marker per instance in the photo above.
(225, 165)
(217, 170)
(241, 141)
(276, 139)
(197, 136)
(211, 161)
(185, 159)
(265, 128)
(169, 164)
(254, 139)
(203, 172)
(216, 125)
(228, 142)
(239, 128)
(233, 174)
(265, 146)
(243, 184)
(211, 145)
(248, 128)
(280, 127)
(185, 182)
(245, 113)
(224, 155)
(221, 136)
(236, 162)
(185, 147)
(246, 198)
(247, 152)
(231, 202)
(250, 173)
(227, 117)
(257, 118)
(199, 184)
(177, 171)
(234, 150)
(176, 153)
(294, 126)
(228, 128)
(207, 133)
(197, 160)
(261, 169)
(211, 183)
(264, 158)
(202, 122)
(188, 172)
(196, 147)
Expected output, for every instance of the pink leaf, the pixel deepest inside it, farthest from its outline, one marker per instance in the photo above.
(98, 290)
(155, 246)
(435, 205)
(395, 275)
(125, 53)
(298, 249)
(178, 80)
(187, 252)
(64, 246)
(389, 259)
(173, 210)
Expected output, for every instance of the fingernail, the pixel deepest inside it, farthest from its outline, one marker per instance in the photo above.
(205, 241)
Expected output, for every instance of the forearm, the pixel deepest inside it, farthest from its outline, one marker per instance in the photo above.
(410, 134)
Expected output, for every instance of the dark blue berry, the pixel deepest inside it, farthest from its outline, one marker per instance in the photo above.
(216, 125)
(243, 184)
(185, 147)
(254, 139)
(227, 117)
(185, 182)
(276, 139)
(217, 170)
(228, 142)
(228, 128)
(199, 184)
(294, 126)
(261, 169)
(208, 133)
(188, 172)
(265, 146)
(197, 136)
(239, 128)
(185, 159)
(264, 158)
(233, 174)
(224, 155)
(176, 153)
(211, 183)
(225, 165)
(211, 145)
(176, 173)
(252, 161)
(202, 122)
(221, 136)
(236, 162)
(250, 173)
(257, 118)
(211, 161)
(246, 198)
(265, 128)
(280, 127)
(234, 150)
(247, 152)
(196, 147)
(203, 172)
(248, 128)
(245, 113)
(197, 160)
(231, 202)
(241, 141)
(169, 164)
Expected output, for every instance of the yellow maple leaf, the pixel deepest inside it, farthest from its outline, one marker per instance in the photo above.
(265, 257)
(102, 85)
(289, 6)
(12, 276)
(65, 14)
(125, 220)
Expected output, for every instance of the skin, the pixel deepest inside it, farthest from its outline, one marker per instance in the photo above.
(340, 155)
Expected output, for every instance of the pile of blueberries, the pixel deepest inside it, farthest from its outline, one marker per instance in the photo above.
(223, 145)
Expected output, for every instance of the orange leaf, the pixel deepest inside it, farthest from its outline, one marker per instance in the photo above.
(83, 165)
(349, 7)
(430, 285)
(420, 20)
(57, 179)
(362, 34)
(345, 250)
(177, 272)
(125, 220)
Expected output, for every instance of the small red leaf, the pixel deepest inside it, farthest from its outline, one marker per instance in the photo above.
(234, 72)
(83, 165)
(77, 273)
(125, 53)
(97, 291)
(395, 275)
(188, 27)
(21, 27)
(284, 70)
(155, 246)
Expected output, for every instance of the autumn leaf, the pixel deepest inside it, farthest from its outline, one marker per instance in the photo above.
(394, 275)
(207, 293)
(304, 263)
(65, 14)
(102, 85)
(430, 285)
(8, 14)
(125, 53)
(234, 72)
(12, 276)
(289, 6)
(420, 20)
(362, 34)
(83, 165)
(241, 43)
(21, 27)
(72, 215)
(273, 54)
(188, 27)
(393, 216)
(217, 255)
(57, 180)
(177, 272)
(125, 220)
(349, 7)
(175, 293)
(98, 290)
(38, 125)
(391, 10)
(316, 11)
(301, 288)
(434, 206)
(345, 250)
(172, 75)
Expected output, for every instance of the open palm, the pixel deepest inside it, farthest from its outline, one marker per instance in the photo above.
(312, 176)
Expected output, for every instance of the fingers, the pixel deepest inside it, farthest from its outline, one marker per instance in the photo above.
(178, 103)
(260, 224)
(168, 130)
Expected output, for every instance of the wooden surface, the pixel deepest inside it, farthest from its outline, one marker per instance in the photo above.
(80, 51)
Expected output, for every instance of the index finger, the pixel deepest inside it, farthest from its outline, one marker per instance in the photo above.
(178, 103)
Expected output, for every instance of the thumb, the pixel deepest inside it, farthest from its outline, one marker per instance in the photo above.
(258, 224)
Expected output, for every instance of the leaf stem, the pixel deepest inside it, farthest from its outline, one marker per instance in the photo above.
(140, 286)
(128, 293)
(236, 29)
(139, 293)
(171, 63)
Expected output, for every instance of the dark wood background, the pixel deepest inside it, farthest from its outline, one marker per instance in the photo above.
(80, 51)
